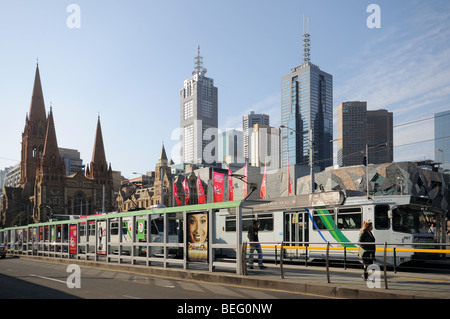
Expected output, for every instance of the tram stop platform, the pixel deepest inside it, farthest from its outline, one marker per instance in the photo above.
(311, 280)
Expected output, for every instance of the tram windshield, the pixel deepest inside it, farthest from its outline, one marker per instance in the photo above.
(411, 220)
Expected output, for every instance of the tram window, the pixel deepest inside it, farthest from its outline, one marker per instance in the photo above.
(324, 219)
(349, 218)
(382, 217)
(114, 228)
(265, 222)
(83, 229)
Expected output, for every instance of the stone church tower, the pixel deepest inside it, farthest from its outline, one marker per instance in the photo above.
(44, 189)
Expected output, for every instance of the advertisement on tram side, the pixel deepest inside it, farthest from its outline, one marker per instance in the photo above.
(101, 238)
(73, 239)
(197, 234)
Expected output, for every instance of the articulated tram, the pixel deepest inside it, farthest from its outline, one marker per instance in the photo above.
(201, 233)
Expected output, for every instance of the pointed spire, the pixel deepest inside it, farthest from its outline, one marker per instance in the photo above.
(98, 155)
(51, 144)
(162, 161)
(37, 107)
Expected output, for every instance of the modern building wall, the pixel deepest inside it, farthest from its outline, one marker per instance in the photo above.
(199, 118)
(442, 138)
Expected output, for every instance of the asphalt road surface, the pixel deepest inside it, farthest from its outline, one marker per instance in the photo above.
(27, 279)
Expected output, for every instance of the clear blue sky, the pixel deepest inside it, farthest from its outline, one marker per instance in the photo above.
(128, 60)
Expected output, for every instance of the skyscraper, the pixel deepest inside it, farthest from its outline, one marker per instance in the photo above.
(351, 133)
(199, 117)
(442, 138)
(307, 113)
(359, 130)
(247, 124)
(380, 136)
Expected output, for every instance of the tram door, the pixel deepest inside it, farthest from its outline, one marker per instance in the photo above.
(296, 227)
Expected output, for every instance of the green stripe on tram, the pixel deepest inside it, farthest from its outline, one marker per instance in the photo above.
(328, 221)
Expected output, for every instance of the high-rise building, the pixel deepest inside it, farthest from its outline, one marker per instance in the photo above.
(360, 130)
(351, 133)
(442, 138)
(199, 117)
(380, 136)
(265, 147)
(230, 147)
(247, 124)
(307, 114)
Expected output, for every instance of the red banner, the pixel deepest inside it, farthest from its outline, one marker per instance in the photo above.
(218, 179)
(263, 191)
(187, 193)
(73, 239)
(175, 194)
(200, 191)
(289, 177)
(230, 186)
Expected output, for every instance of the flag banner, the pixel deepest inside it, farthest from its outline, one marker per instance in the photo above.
(230, 186)
(263, 190)
(200, 191)
(187, 193)
(289, 178)
(218, 180)
(175, 194)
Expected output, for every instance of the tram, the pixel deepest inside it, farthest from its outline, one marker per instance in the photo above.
(301, 222)
(401, 221)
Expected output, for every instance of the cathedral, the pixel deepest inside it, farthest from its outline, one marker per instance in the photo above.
(45, 190)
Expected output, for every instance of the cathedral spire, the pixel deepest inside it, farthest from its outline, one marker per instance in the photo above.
(98, 155)
(51, 144)
(37, 107)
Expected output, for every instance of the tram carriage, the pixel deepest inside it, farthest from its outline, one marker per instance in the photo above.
(311, 220)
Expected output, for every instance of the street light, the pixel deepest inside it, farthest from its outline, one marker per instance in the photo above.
(311, 152)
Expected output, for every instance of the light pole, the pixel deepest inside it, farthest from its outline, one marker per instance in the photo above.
(311, 154)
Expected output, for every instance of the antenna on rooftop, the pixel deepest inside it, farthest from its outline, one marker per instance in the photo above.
(306, 41)
(199, 69)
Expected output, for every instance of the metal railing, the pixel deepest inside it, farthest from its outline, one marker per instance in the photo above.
(329, 252)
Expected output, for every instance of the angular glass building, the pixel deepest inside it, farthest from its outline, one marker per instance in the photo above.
(307, 114)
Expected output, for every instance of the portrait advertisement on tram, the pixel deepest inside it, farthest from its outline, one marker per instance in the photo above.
(197, 237)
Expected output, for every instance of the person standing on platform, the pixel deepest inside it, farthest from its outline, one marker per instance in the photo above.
(366, 249)
(255, 245)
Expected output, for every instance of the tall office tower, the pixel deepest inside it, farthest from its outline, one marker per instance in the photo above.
(199, 117)
(442, 138)
(247, 124)
(231, 147)
(307, 114)
(351, 133)
(380, 136)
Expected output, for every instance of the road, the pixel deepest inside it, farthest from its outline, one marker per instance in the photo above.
(21, 278)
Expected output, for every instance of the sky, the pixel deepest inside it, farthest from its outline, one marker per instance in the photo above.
(126, 62)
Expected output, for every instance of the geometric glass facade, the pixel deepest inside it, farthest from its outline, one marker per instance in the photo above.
(307, 104)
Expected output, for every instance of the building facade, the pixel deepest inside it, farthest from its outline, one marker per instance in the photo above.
(351, 133)
(307, 115)
(380, 136)
(247, 125)
(442, 138)
(44, 188)
(199, 117)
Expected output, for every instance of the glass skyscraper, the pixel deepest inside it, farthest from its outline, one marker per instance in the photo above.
(307, 116)
(442, 138)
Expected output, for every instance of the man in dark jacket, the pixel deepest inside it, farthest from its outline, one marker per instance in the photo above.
(255, 245)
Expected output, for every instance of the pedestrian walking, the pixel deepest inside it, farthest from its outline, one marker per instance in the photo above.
(255, 245)
(366, 249)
